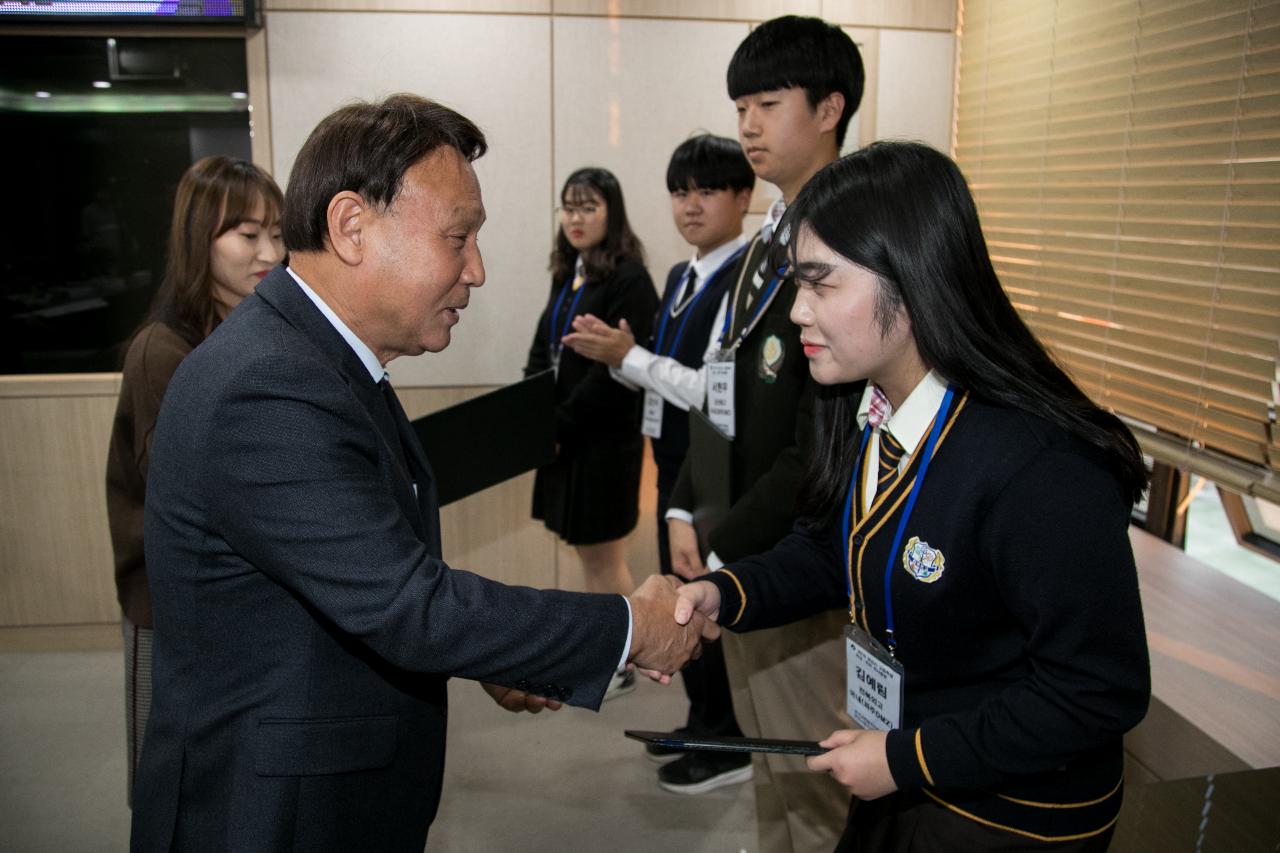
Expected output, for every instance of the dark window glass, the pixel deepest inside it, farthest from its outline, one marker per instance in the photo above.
(91, 173)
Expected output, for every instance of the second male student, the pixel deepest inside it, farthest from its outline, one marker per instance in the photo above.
(710, 182)
(795, 83)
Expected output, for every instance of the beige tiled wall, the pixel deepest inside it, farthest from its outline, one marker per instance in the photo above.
(627, 92)
(560, 84)
(921, 110)
(496, 69)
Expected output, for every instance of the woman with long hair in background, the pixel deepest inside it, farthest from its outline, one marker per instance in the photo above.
(224, 238)
(589, 496)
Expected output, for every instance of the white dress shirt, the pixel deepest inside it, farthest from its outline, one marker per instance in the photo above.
(681, 386)
(359, 347)
(908, 424)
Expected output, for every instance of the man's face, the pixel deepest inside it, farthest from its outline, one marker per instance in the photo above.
(707, 219)
(780, 134)
(424, 255)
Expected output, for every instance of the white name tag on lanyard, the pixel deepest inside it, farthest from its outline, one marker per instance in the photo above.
(875, 682)
(652, 423)
(720, 395)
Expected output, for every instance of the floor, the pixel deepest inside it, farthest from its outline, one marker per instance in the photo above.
(565, 781)
(541, 783)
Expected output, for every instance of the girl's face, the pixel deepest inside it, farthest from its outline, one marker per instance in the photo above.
(841, 333)
(242, 257)
(584, 217)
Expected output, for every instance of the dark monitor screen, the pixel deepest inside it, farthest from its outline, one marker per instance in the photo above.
(82, 255)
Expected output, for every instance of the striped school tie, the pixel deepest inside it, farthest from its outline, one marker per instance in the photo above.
(890, 457)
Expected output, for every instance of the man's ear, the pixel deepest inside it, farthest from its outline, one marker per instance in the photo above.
(347, 217)
(829, 111)
(742, 198)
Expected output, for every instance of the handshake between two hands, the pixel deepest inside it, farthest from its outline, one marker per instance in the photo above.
(670, 620)
(669, 623)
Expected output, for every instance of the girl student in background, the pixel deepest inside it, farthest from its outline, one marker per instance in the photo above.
(224, 238)
(969, 505)
(589, 496)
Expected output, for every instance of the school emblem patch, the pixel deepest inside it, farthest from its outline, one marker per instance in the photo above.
(771, 355)
(922, 562)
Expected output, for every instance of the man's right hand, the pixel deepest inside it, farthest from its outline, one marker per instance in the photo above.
(683, 541)
(658, 643)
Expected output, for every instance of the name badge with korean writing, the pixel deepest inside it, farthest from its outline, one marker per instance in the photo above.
(652, 423)
(720, 394)
(875, 682)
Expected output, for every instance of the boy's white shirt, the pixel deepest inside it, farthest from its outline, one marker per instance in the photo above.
(681, 386)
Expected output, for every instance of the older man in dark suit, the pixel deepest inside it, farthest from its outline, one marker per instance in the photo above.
(305, 623)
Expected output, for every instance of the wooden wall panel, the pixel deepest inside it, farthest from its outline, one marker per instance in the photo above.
(55, 551)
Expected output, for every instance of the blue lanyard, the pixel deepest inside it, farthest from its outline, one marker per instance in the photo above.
(553, 340)
(926, 456)
(762, 304)
(688, 311)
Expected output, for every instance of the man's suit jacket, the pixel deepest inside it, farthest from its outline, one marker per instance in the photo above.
(305, 624)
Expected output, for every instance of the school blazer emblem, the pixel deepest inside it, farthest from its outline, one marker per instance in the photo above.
(922, 562)
(771, 355)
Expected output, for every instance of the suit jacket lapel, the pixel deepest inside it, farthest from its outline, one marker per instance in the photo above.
(282, 292)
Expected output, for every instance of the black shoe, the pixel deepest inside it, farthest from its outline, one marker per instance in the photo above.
(658, 752)
(699, 772)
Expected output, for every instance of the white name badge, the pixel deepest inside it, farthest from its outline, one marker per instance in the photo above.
(652, 423)
(875, 682)
(720, 395)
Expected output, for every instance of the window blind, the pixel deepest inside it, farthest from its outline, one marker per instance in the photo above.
(1125, 157)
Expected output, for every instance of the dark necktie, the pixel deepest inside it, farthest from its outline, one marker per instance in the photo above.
(690, 291)
(394, 410)
(890, 457)
(427, 521)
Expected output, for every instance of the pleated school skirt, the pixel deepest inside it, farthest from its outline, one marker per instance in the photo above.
(591, 494)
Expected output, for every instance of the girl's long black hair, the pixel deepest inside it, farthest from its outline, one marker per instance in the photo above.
(619, 243)
(903, 211)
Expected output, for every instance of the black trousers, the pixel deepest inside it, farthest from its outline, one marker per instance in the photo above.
(910, 822)
(706, 682)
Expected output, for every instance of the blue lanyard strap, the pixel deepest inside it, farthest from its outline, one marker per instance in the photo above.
(553, 341)
(926, 456)
(761, 304)
(688, 311)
